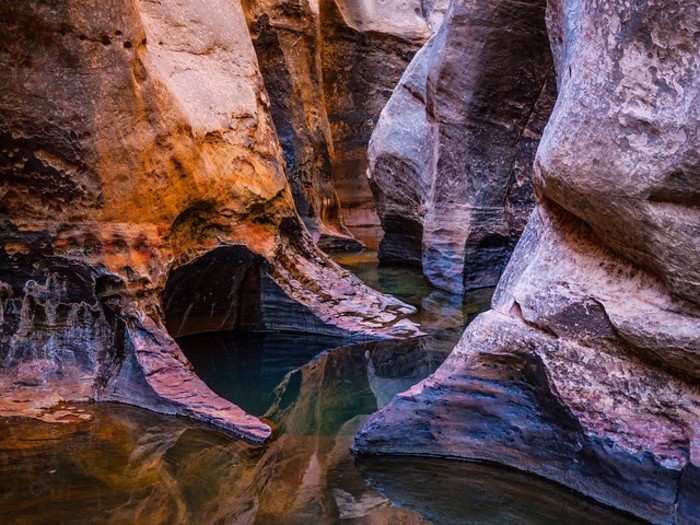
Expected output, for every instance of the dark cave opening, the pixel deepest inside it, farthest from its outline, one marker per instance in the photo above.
(217, 292)
(237, 327)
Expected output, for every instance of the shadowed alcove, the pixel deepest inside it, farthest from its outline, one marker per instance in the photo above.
(217, 292)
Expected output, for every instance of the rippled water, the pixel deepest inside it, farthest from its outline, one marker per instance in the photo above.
(128, 466)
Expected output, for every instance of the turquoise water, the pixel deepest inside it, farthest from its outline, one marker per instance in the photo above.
(130, 466)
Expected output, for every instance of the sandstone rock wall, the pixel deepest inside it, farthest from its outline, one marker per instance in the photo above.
(367, 46)
(136, 139)
(287, 41)
(450, 159)
(585, 371)
(329, 68)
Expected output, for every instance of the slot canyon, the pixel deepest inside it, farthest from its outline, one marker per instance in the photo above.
(375, 262)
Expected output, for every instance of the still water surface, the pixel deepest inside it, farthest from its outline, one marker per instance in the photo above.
(130, 466)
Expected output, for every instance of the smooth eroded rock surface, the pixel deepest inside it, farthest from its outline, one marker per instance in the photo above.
(136, 140)
(288, 44)
(367, 45)
(329, 67)
(586, 369)
(450, 159)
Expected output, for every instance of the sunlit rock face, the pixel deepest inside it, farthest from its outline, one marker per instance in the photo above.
(450, 160)
(585, 371)
(329, 68)
(135, 140)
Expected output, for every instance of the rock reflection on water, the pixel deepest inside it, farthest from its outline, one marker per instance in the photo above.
(438, 311)
(129, 466)
(318, 409)
(124, 466)
(246, 368)
(477, 493)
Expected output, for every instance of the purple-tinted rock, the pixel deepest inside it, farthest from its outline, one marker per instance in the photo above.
(450, 159)
(586, 369)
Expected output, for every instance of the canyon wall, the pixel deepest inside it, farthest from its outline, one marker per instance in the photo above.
(330, 67)
(143, 188)
(450, 159)
(585, 371)
(367, 46)
(287, 41)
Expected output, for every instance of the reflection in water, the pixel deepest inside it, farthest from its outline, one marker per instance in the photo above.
(129, 466)
(441, 314)
(246, 368)
(476, 493)
(124, 466)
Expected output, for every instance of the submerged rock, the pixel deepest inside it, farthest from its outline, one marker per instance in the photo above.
(143, 185)
(585, 371)
(450, 159)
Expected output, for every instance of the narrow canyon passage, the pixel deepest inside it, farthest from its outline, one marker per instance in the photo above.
(316, 390)
(349, 262)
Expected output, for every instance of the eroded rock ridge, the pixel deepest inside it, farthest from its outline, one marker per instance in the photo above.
(330, 66)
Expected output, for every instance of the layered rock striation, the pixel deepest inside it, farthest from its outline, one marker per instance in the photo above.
(143, 196)
(367, 46)
(287, 41)
(330, 67)
(450, 159)
(585, 371)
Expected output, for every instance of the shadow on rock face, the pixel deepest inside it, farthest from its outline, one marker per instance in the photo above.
(219, 291)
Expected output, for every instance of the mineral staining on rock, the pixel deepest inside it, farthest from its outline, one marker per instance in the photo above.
(329, 67)
(585, 371)
(367, 45)
(287, 41)
(135, 140)
(450, 159)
